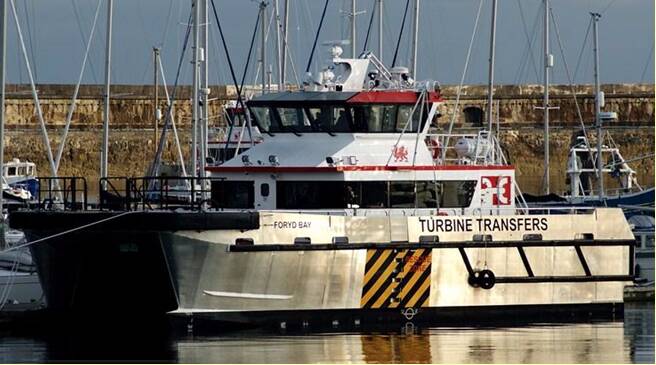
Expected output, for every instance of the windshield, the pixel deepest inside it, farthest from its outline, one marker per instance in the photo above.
(372, 118)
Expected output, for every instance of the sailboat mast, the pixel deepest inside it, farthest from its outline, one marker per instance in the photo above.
(353, 7)
(278, 41)
(204, 86)
(157, 113)
(490, 85)
(415, 38)
(263, 24)
(108, 59)
(283, 62)
(3, 54)
(548, 63)
(380, 29)
(194, 89)
(598, 96)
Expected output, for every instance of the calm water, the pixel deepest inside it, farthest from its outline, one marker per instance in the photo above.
(627, 341)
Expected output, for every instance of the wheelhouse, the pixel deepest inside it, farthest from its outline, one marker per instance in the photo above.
(355, 152)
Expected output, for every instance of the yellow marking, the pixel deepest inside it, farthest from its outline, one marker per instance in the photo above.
(385, 296)
(376, 266)
(383, 278)
(424, 286)
(413, 280)
(370, 254)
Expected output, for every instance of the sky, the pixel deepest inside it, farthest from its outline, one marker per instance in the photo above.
(56, 31)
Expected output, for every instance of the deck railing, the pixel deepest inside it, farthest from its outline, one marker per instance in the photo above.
(154, 192)
(62, 193)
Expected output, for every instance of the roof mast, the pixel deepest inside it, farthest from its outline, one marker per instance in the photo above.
(598, 104)
(3, 54)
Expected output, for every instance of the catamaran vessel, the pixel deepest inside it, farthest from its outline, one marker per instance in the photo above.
(350, 209)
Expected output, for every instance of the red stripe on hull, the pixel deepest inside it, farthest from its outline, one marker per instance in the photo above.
(310, 169)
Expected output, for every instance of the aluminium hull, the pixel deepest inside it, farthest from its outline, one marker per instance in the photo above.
(189, 264)
(379, 284)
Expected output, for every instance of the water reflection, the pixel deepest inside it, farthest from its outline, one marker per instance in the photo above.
(627, 341)
(572, 343)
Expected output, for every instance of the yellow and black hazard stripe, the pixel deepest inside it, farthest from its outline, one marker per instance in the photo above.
(396, 278)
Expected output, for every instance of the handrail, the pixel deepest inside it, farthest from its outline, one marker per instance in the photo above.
(61, 193)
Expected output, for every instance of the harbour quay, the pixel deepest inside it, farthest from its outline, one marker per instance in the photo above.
(133, 138)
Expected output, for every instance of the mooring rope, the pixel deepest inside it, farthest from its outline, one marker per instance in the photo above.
(27, 244)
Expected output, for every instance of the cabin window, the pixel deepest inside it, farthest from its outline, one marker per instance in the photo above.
(373, 194)
(310, 194)
(263, 118)
(457, 194)
(294, 120)
(402, 194)
(264, 189)
(331, 119)
(233, 194)
(11, 171)
(428, 193)
(404, 115)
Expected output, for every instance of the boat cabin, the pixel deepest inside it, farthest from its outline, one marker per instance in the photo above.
(357, 140)
(361, 152)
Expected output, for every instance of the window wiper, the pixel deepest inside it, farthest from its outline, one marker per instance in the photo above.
(293, 129)
(322, 129)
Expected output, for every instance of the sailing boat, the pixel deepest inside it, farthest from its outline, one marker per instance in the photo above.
(586, 164)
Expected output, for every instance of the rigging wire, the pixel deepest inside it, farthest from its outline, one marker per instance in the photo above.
(571, 85)
(585, 42)
(240, 100)
(529, 40)
(649, 57)
(607, 7)
(371, 21)
(266, 42)
(316, 37)
(154, 168)
(398, 42)
(462, 80)
(167, 24)
(31, 40)
(84, 40)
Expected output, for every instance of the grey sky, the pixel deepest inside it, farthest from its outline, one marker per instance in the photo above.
(56, 47)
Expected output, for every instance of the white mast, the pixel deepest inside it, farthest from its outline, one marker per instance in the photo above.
(283, 62)
(204, 87)
(157, 114)
(490, 85)
(263, 25)
(598, 102)
(278, 40)
(380, 29)
(548, 63)
(108, 58)
(3, 54)
(195, 113)
(353, 29)
(415, 38)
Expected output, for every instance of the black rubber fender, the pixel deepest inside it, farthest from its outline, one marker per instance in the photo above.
(486, 279)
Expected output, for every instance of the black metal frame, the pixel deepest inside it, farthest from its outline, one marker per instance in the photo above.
(62, 192)
(153, 192)
(460, 246)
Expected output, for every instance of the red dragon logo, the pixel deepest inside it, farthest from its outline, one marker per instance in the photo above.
(400, 154)
(499, 186)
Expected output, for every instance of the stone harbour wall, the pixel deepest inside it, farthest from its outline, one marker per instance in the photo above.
(132, 135)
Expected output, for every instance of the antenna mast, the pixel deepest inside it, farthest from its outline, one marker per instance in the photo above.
(598, 101)
(108, 59)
